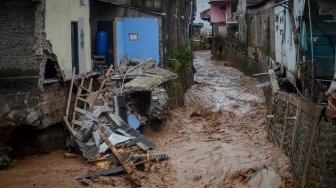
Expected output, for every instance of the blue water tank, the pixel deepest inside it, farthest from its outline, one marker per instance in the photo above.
(101, 42)
(133, 121)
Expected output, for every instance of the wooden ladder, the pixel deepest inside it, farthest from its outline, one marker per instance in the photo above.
(81, 110)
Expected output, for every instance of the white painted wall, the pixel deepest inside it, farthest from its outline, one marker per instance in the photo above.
(285, 53)
(58, 17)
(298, 10)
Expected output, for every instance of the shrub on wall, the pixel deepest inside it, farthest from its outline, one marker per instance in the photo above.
(5, 160)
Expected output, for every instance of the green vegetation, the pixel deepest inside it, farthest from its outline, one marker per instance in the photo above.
(181, 63)
(175, 92)
(182, 58)
(232, 25)
(5, 160)
(175, 65)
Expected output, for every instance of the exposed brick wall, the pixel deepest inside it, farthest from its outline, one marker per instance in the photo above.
(18, 42)
(53, 102)
(23, 53)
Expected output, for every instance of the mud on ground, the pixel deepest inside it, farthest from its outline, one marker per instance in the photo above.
(219, 137)
(216, 140)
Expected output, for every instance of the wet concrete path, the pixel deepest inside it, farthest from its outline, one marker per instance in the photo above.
(216, 140)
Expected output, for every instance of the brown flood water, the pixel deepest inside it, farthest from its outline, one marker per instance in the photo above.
(216, 140)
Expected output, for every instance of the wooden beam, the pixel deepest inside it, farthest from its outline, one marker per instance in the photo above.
(273, 80)
(80, 110)
(102, 85)
(72, 132)
(260, 74)
(114, 150)
(70, 92)
(265, 84)
(76, 122)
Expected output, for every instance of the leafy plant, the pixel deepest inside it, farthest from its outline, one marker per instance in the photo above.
(5, 160)
(175, 65)
(182, 58)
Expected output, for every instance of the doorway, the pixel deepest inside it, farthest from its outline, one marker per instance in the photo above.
(74, 46)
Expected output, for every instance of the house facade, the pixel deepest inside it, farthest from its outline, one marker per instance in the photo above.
(290, 47)
(38, 40)
(44, 41)
(222, 16)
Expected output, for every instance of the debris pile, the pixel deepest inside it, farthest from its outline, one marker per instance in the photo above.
(104, 124)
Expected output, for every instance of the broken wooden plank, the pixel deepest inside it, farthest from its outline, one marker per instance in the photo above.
(81, 99)
(80, 110)
(273, 80)
(84, 88)
(76, 122)
(79, 92)
(96, 96)
(110, 171)
(114, 150)
(260, 74)
(265, 84)
(70, 92)
(72, 132)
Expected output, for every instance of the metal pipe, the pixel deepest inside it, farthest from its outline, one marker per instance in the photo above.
(312, 51)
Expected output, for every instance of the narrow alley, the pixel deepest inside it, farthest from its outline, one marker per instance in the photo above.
(217, 139)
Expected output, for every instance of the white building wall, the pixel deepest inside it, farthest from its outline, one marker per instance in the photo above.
(285, 53)
(58, 17)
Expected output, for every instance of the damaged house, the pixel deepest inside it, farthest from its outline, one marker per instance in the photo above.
(45, 44)
(41, 42)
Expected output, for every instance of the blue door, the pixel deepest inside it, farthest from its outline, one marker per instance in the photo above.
(137, 38)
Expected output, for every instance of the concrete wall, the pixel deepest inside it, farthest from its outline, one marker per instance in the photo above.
(147, 44)
(58, 18)
(301, 129)
(308, 139)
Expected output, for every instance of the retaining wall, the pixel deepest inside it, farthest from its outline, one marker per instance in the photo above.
(301, 129)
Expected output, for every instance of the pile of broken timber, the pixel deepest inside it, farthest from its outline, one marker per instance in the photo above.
(98, 129)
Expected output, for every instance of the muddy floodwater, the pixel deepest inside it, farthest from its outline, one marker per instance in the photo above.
(217, 139)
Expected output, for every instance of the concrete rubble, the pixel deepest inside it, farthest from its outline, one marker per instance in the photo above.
(104, 123)
(265, 178)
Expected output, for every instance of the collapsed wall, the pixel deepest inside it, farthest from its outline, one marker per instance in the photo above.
(26, 63)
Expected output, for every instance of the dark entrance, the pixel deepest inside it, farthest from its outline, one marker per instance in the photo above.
(74, 46)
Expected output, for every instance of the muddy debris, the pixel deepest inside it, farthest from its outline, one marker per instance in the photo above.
(218, 139)
(104, 124)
